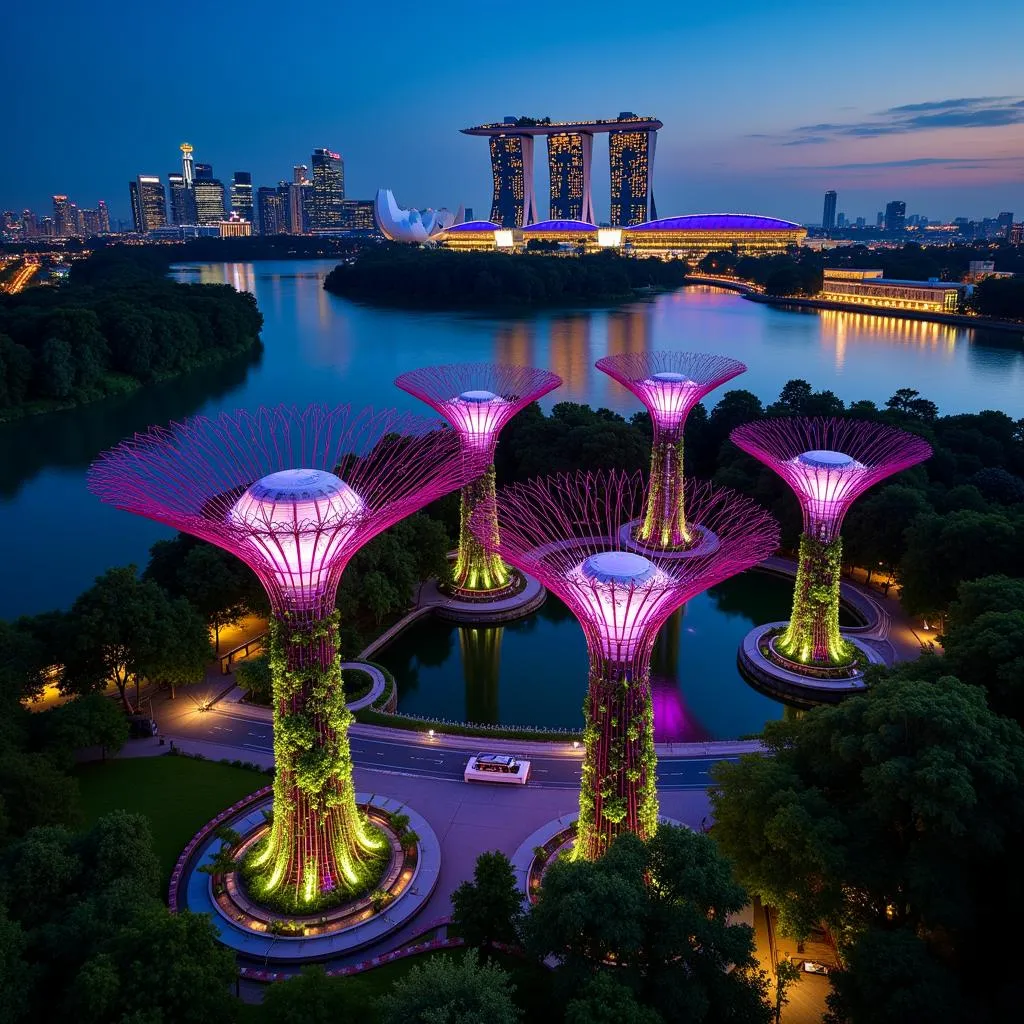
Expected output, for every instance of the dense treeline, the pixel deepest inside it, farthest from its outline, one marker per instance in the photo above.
(800, 272)
(403, 275)
(118, 323)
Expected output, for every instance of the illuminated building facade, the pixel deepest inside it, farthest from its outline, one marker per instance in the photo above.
(358, 215)
(149, 203)
(241, 195)
(568, 233)
(696, 235)
(828, 463)
(209, 197)
(631, 163)
(179, 197)
(1017, 233)
(669, 384)
(283, 491)
(188, 167)
(870, 289)
(564, 530)
(512, 199)
(234, 227)
(63, 217)
(478, 399)
(271, 211)
(569, 158)
(328, 196)
(471, 236)
(570, 151)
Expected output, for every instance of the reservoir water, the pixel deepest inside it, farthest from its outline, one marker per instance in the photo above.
(318, 348)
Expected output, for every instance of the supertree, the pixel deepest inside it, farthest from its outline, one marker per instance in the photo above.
(565, 530)
(294, 493)
(669, 384)
(478, 399)
(828, 463)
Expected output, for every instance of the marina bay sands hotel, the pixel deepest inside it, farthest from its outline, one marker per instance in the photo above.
(631, 141)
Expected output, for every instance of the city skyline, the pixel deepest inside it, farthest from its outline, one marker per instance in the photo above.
(748, 134)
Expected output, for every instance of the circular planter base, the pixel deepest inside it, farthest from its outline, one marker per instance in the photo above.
(542, 848)
(786, 680)
(501, 606)
(256, 931)
(705, 542)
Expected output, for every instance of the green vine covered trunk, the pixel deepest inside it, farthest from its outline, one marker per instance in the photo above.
(320, 850)
(478, 571)
(664, 521)
(618, 792)
(813, 636)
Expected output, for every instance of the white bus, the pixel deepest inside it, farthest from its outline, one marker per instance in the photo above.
(497, 768)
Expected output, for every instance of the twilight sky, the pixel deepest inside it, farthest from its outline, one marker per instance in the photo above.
(766, 103)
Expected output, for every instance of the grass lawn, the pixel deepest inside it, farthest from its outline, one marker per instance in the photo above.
(177, 794)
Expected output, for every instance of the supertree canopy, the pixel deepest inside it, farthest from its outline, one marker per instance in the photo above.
(295, 493)
(669, 384)
(565, 530)
(478, 399)
(828, 463)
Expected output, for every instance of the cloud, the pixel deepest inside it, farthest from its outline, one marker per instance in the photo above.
(932, 115)
(966, 101)
(968, 163)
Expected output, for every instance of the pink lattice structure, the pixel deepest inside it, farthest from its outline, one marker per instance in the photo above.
(828, 463)
(669, 384)
(478, 399)
(295, 493)
(565, 530)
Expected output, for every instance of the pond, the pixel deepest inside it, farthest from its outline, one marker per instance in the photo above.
(534, 671)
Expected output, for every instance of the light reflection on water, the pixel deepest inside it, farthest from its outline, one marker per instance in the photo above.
(323, 349)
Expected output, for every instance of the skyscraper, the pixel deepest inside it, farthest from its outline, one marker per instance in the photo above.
(204, 172)
(63, 217)
(328, 191)
(271, 212)
(241, 195)
(828, 216)
(631, 161)
(188, 171)
(179, 197)
(570, 155)
(895, 215)
(209, 195)
(149, 204)
(512, 200)
(104, 217)
(1005, 222)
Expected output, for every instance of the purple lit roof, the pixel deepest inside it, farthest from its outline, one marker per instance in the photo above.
(474, 225)
(717, 222)
(560, 225)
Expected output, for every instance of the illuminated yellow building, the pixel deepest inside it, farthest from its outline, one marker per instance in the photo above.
(234, 228)
(869, 288)
(696, 235)
(471, 236)
(512, 201)
(631, 168)
(570, 233)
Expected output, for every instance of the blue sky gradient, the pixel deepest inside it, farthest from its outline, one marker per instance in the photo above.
(766, 105)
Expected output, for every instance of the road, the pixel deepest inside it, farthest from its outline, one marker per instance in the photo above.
(417, 755)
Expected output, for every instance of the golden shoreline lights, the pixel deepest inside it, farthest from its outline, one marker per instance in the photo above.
(294, 493)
